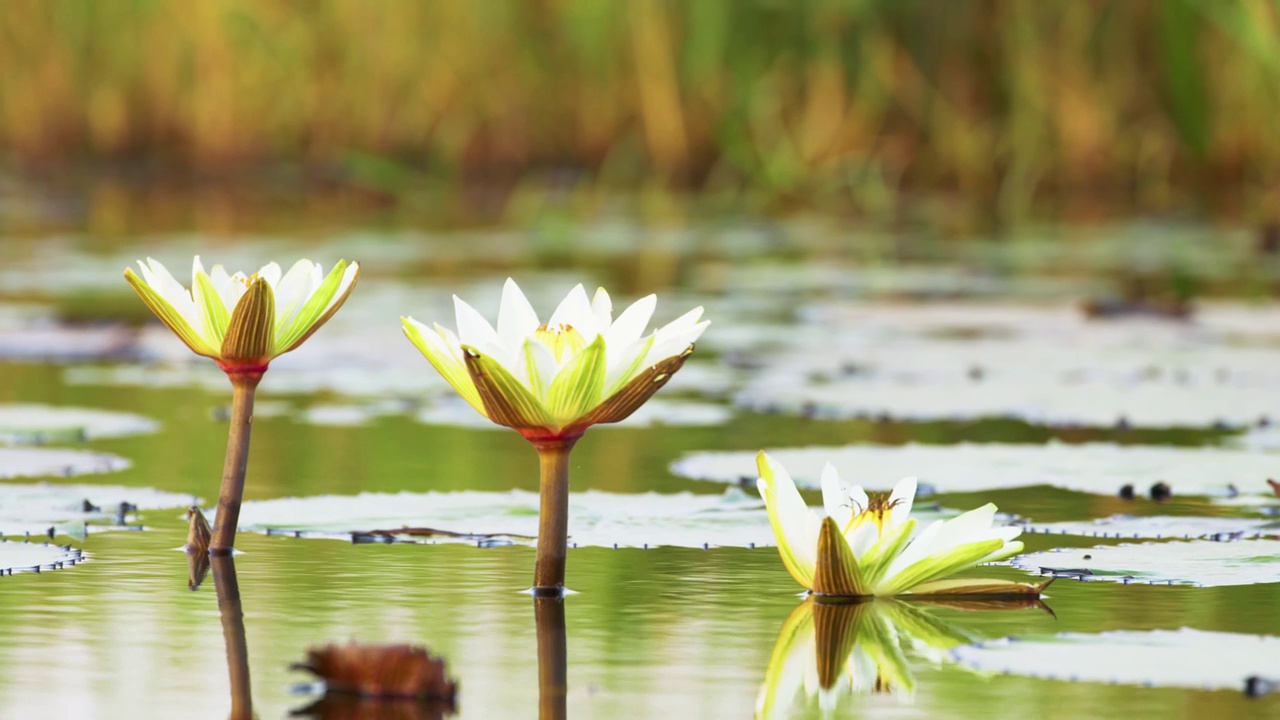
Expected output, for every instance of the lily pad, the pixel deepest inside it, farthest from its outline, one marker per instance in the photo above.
(1185, 658)
(38, 424)
(601, 519)
(1163, 527)
(654, 412)
(1202, 563)
(1098, 468)
(75, 510)
(1042, 365)
(18, 557)
(38, 462)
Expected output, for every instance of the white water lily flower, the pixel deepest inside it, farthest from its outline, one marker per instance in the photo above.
(554, 379)
(243, 322)
(867, 545)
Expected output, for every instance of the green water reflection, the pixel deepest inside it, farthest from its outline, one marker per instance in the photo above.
(652, 633)
(664, 633)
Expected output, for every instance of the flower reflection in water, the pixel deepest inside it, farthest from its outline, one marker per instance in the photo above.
(829, 649)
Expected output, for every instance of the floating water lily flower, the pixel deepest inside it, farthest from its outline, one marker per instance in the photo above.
(866, 545)
(551, 381)
(242, 323)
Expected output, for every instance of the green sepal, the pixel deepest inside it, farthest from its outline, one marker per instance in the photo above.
(878, 557)
(836, 571)
(506, 400)
(251, 331)
(576, 389)
(802, 572)
(213, 312)
(453, 371)
(939, 566)
(169, 315)
(313, 313)
(621, 404)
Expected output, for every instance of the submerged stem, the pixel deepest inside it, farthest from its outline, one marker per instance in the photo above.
(548, 613)
(243, 387)
(553, 515)
(228, 591)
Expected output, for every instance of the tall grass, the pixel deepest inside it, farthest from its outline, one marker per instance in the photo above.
(820, 99)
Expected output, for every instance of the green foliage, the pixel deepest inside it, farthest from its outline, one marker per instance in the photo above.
(819, 100)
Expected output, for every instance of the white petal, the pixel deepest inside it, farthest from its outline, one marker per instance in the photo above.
(858, 499)
(293, 291)
(602, 308)
(474, 330)
(798, 524)
(271, 273)
(159, 278)
(901, 500)
(835, 497)
(862, 538)
(575, 311)
(679, 325)
(546, 367)
(630, 325)
(621, 361)
(516, 317)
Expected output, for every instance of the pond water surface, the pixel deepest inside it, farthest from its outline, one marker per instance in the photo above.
(657, 627)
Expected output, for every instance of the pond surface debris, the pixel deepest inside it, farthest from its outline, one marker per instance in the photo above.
(381, 671)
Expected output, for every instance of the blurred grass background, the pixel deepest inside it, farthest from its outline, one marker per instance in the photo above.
(1013, 104)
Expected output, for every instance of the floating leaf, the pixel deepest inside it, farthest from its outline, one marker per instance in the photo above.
(492, 518)
(1185, 658)
(1093, 468)
(37, 462)
(38, 424)
(1162, 527)
(74, 510)
(19, 557)
(1202, 563)
(1042, 365)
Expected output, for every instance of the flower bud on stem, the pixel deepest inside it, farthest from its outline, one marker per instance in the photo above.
(244, 385)
(553, 515)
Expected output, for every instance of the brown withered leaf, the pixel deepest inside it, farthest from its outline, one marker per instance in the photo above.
(198, 534)
(381, 671)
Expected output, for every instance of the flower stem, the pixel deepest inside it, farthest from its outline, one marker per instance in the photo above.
(243, 386)
(553, 515)
(228, 590)
(548, 614)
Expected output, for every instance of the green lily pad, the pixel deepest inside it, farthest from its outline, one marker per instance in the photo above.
(76, 510)
(38, 424)
(22, 557)
(1045, 365)
(1098, 468)
(600, 519)
(55, 462)
(1163, 527)
(1203, 563)
(1185, 658)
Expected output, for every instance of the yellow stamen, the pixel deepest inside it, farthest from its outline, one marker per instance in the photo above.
(561, 339)
(876, 511)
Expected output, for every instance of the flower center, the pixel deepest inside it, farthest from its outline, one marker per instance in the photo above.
(877, 511)
(561, 339)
